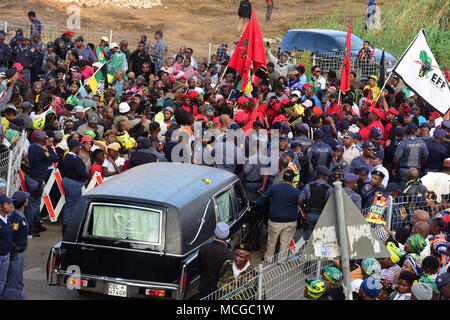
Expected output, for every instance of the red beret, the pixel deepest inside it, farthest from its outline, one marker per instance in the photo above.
(193, 94)
(405, 107)
(276, 106)
(306, 85)
(380, 114)
(435, 115)
(184, 96)
(301, 64)
(253, 100)
(285, 101)
(240, 117)
(68, 33)
(242, 100)
(393, 111)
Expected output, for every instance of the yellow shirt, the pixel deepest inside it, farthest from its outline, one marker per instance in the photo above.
(375, 92)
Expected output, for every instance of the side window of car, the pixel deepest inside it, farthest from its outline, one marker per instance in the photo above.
(304, 40)
(324, 42)
(240, 199)
(225, 207)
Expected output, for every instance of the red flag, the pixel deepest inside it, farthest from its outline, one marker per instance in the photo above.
(249, 49)
(292, 245)
(345, 78)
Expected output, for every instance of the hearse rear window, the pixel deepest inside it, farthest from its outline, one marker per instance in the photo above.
(127, 223)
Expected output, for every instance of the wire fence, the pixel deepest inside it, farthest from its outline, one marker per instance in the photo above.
(283, 276)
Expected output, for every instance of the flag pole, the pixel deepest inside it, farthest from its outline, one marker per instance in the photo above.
(99, 69)
(218, 82)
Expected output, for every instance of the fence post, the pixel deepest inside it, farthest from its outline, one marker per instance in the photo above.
(209, 52)
(389, 212)
(318, 268)
(314, 59)
(260, 281)
(6, 26)
(342, 235)
(9, 175)
(110, 36)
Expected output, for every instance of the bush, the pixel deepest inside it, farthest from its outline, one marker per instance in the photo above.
(401, 20)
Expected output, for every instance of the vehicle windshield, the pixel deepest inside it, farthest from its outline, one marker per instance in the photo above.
(357, 43)
(127, 223)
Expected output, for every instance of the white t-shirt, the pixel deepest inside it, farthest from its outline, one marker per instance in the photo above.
(108, 164)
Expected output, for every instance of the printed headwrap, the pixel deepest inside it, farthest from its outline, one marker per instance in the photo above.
(371, 287)
(431, 279)
(395, 252)
(332, 274)
(417, 243)
(416, 262)
(371, 267)
(315, 288)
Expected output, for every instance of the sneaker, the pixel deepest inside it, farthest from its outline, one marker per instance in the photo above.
(39, 227)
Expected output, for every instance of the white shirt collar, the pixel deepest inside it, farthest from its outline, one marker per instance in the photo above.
(5, 219)
(237, 272)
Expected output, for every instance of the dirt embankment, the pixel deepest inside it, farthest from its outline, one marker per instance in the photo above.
(194, 23)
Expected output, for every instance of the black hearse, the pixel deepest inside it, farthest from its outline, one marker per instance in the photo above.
(138, 234)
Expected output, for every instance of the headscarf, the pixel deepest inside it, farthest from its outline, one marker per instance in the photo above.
(315, 288)
(416, 262)
(431, 279)
(371, 287)
(371, 267)
(395, 252)
(417, 243)
(332, 274)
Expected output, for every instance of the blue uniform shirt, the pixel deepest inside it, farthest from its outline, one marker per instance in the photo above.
(411, 151)
(439, 154)
(35, 26)
(306, 193)
(39, 160)
(23, 56)
(356, 198)
(304, 141)
(20, 229)
(360, 162)
(6, 232)
(5, 54)
(320, 153)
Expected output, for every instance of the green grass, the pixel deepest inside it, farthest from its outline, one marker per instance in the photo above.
(401, 20)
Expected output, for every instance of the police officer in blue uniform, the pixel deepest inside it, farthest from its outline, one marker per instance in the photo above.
(314, 197)
(37, 54)
(20, 240)
(370, 189)
(6, 242)
(39, 161)
(327, 138)
(436, 148)
(319, 154)
(13, 41)
(397, 137)
(74, 179)
(410, 153)
(22, 54)
(5, 52)
(338, 160)
(350, 185)
(302, 130)
(365, 159)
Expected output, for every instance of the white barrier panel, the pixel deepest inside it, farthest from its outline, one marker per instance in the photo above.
(55, 177)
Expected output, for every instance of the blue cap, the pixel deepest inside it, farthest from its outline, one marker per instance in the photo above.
(145, 143)
(234, 126)
(379, 154)
(350, 177)
(20, 38)
(339, 147)
(343, 125)
(369, 145)
(378, 173)
(357, 136)
(74, 143)
(158, 32)
(445, 124)
(326, 129)
(284, 136)
(439, 133)
(289, 153)
(318, 134)
(19, 32)
(362, 169)
(295, 143)
(399, 131)
(323, 170)
(285, 127)
(301, 127)
(27, 105)
(442, 279)
(20, 197)
(425, 125)
(153, 138)
(4, 198)
(392, 187)
(376, 131)
(411, 125)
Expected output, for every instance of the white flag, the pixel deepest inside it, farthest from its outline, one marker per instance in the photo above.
(421, 73)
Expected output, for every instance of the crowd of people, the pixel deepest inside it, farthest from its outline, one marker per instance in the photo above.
(378, 143)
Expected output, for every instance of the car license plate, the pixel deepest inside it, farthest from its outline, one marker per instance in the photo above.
(118, 290)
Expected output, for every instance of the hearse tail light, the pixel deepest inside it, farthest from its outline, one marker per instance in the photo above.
(157, 293)
(78, 282)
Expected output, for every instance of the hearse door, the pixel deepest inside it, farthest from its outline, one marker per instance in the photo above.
(225, 206)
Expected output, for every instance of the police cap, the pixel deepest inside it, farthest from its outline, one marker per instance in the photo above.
(350, 177)
(339, 147)
(369, 145)
(244, 247)
(378, 173)
(323, 170)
